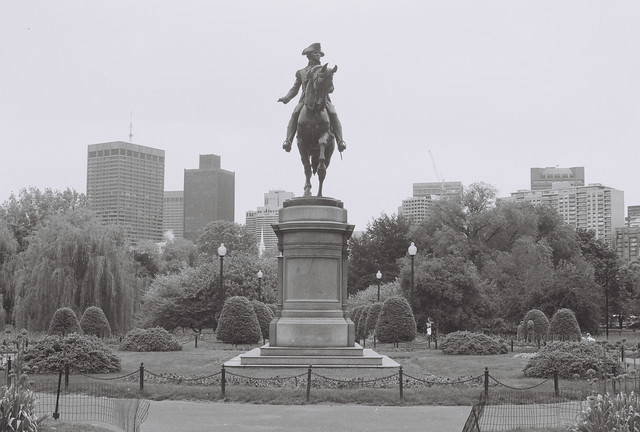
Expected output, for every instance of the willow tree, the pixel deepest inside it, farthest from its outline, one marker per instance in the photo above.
(74, 261)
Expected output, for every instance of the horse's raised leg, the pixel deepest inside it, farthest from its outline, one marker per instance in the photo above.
(304, 156)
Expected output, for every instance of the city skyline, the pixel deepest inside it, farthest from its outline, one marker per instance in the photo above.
(471, 91)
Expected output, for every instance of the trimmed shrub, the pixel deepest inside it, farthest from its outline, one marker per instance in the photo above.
(570, 359)
(95, 323)
(238, 322)
(396, 322)
(564, 326)
(273, 308)
(469, 343)
(154, 339)
(63, 322)
(520, 335)
(363, 330)
(264, 315)
(373, 313)
(540, 324)
(83, 354)
(356, 315)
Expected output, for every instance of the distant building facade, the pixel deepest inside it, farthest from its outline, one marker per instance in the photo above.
(125, 187)
(627, 243)
(173, 213)
(259, 221)
(633, 215)
(544, 178)
(209, 195)
(594, 207)
(416, 209)
(442, 189)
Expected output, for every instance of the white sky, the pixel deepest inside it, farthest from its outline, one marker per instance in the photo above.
(492, 88)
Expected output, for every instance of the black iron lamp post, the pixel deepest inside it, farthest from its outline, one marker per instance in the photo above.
(413, 250)
(222, 251)
(260, 274)
(378, 277)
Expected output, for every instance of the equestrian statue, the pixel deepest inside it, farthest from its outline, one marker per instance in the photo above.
(314, 118)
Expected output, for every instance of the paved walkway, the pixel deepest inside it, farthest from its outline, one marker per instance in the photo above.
(171, 416)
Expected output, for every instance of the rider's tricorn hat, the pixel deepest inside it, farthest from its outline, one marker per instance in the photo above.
(313, 47)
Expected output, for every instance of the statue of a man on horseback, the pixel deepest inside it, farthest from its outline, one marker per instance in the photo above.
(314, 118)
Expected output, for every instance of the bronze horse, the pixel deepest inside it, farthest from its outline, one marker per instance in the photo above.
(316, 142)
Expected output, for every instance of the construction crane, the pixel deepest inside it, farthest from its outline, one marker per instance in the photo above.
(433, 162)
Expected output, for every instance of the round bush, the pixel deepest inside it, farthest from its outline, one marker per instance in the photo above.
(83, 354)
(540, 323)
(273, 308)
(564, 326)
(150, 340)
(570, 359)
(373, 314)
(94, 322)
(238, 322)
(264, 315)
(64, 322)
(469, 343)
(356, 316)
(396, 322)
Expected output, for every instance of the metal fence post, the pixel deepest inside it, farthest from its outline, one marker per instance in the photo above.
(308, 383)
(486, 381)
(401, 380)
(223, 382)
(8, 372)
(56, 413)
(66, 376)
(556, 387)
(196, 340)
(141, 377)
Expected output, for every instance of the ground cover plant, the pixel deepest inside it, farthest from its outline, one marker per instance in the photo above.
(151, 339)
(464, 342)
(571, 360)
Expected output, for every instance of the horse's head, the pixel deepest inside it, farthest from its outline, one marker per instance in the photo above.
(319, 86)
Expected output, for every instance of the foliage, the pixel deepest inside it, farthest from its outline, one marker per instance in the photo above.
(273, 307)
(373, 314)
(151, 339)
(95, 323)
(384, 241)
(570, 359)
(18, 409)
(369, 295)
(540, 323)
(83, 354)
(609, 413)
(564, 326)
(264, 315)
(396, 322)
(356, 315)
(64, 321)
(178, 254)
(448, 290)
(362, 330)
(78, 262)
(468, 343)
(236, 238)
(238, 322)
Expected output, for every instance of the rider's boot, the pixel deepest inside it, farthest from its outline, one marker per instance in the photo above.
(291, 132)
(337, 131)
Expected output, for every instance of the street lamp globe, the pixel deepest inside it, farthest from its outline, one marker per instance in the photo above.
(378, 275)
(222, 251)
(413, 250)
(260, 274)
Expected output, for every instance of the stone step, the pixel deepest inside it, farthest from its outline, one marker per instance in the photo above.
(269, 351)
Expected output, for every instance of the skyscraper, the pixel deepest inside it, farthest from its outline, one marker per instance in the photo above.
(259, 221)
(173, 213)
(441, 189)
(544, 178)
(209, 195)
(125, 185)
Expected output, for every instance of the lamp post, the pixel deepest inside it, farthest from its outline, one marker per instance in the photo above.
(413, 250)
(260, 285)
(378, 277)
(222, 251)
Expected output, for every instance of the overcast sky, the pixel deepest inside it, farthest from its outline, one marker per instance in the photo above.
(491, 88)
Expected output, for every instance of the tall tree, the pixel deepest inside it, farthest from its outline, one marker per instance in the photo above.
(234, 236)
(74, 261)
(32, 207)
(378, 248)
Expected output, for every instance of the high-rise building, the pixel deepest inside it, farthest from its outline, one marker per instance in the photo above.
(544, 178)
(416, 209)
(259, 221)
(173, 213)
(209, 195)
(594, 207)
(633, 215)
(627, 244)
(447, 189)
(125, 185)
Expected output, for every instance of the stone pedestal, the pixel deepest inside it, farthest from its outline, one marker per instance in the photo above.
(312, 324)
